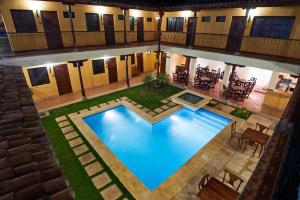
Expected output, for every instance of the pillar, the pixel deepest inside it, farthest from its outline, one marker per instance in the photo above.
(227, 72)
(161, 14)
(168, 65)
(79, 64)
(124, 24)
(187, 65)
(192, 68)
(127, 76)
(72, 26)
(273, 80)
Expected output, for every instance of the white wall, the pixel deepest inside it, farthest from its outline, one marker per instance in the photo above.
(175, 59)
(263, 76)
(211, 63)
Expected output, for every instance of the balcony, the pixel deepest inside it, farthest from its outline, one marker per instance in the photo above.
(41, 42)
(33, 43)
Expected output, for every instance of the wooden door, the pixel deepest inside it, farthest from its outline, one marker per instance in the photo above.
(236, 33)
(140, 62)
(140, 29)
(109, 29)
(163, 62)
(62, 79)
(52, 29)
(112, 70)
(191, 31)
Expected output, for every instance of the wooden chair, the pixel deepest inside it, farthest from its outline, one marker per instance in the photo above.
(232, 179)
(235, 134)
(203, 182)
(262, 128)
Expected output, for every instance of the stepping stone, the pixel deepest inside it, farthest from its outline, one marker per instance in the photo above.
(71, 135)
(165, 107)
(111, 102)
(103, 104)
(133, 102)
(86, 158)
(94, 108)
(213, 102)
(129, 100)
(165, 101)
(145, 109)
(225, 108)
(63, 124)
(171, 104)
(93, 168)
(60, 119)
(158, 110)
(67, 129)
(111, 193)
(83, 111)
(169, 99)
(101, 180)
(75, 142)
(151, 113)
(138, 106)
(73, 114)
(124, 98)
(80, 149)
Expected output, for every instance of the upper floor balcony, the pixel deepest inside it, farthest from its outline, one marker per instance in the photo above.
(285, 50)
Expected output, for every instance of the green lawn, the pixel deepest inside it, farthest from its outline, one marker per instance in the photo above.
(72, 169)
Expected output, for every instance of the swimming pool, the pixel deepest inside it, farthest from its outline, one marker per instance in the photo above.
(154, 152)
(189, 97)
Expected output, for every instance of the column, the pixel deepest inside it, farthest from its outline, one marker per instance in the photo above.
(72, 26)
(161, 14)
(127, 76)
(273, 80)
(187, 65)
(168, 65)
(192, 68)
(79, 64)
(125, 31)
(227, 72)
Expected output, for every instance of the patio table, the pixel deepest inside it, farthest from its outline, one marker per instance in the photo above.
(216, 190)
(256, 137)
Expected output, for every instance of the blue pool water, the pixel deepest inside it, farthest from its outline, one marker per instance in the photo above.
(155, 152)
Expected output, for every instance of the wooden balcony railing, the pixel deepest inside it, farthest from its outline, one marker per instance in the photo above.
(34, 41)
(269, 46)
(256, 46)
(174, 37)
(209, 40)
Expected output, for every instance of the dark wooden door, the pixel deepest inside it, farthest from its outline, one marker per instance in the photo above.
(236, 33)
(52, 29)
(140, 62)
(112, 70)
(163, 61)
(62, 79)
(109, 29)
(140, 29)
(191, 31)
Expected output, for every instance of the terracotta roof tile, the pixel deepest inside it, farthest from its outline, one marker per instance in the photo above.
(28, 168)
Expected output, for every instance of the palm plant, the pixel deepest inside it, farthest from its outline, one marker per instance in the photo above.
(147, 81)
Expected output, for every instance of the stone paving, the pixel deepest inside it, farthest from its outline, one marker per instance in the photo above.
(240, 163)
(100, 178)
(228, 157)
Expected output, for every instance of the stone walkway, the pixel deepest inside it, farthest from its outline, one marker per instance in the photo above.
(100, 178)
(228, 157)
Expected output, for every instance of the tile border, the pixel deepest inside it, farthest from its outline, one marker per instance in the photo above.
(171, 185)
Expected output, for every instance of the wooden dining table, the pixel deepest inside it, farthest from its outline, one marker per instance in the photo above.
(216, 190)
(256, 137)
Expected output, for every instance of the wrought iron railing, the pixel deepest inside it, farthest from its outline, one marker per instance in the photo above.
(174, 37)
(268, 46)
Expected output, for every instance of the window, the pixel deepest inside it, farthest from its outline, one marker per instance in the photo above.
(175, 24)
(24, 21)
(206, 19)
(131, 23)
(98, 66)
(272, 27)
(122, 57)
(220, 18)
(92, 22)
(38, 76)
(120, 17)
(66, 14)
(132, 58)
(149, 19)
